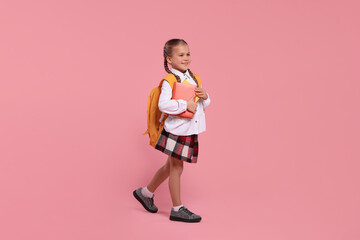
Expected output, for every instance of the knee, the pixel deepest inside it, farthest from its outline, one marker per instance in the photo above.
(176, 165)
(166, 167)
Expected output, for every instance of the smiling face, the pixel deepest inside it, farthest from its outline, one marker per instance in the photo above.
(180, 58)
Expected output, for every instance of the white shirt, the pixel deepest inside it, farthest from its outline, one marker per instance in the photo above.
(174, 124)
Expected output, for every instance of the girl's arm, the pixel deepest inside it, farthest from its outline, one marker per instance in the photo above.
(167, 105)
(204, 96)
(207, 101)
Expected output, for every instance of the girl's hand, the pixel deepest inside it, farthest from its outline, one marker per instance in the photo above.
(200, 92)
(191, 105)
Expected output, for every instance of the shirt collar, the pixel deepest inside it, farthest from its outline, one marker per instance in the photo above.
(180, 74)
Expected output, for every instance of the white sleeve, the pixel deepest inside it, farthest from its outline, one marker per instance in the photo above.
(167, 105)
(206, 102)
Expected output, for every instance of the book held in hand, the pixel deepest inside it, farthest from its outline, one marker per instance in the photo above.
(184, 91)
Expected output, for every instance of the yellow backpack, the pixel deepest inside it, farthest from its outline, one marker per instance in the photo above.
(154, 126)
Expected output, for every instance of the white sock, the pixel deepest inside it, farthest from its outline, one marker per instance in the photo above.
(176, 208)
(146, 193)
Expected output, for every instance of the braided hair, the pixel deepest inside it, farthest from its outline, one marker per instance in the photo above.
(168, 52)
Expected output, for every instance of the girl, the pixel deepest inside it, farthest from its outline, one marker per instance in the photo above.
(179, 137)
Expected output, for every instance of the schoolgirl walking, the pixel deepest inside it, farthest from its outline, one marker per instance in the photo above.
(177, 136)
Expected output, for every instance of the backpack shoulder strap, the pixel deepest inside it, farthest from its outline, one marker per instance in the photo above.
(198, 79)
(170, 78)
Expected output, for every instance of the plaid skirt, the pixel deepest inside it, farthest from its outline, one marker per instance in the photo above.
(181, 147)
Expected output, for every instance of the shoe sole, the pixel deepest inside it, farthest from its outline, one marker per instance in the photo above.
(142, 203)
(172, 218)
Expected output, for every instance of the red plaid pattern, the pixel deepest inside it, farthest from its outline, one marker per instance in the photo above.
(181, 147)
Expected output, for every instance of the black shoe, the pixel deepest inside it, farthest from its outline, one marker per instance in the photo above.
(184, 215)
(148, 203)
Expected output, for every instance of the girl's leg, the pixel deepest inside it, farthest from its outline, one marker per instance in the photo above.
(159, 176)
(176, 168)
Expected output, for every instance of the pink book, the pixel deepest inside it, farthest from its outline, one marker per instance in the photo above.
(186, 92)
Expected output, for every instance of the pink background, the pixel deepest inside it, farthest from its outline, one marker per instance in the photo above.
(279, 159)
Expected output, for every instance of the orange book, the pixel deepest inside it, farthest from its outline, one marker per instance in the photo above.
(186, 92)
